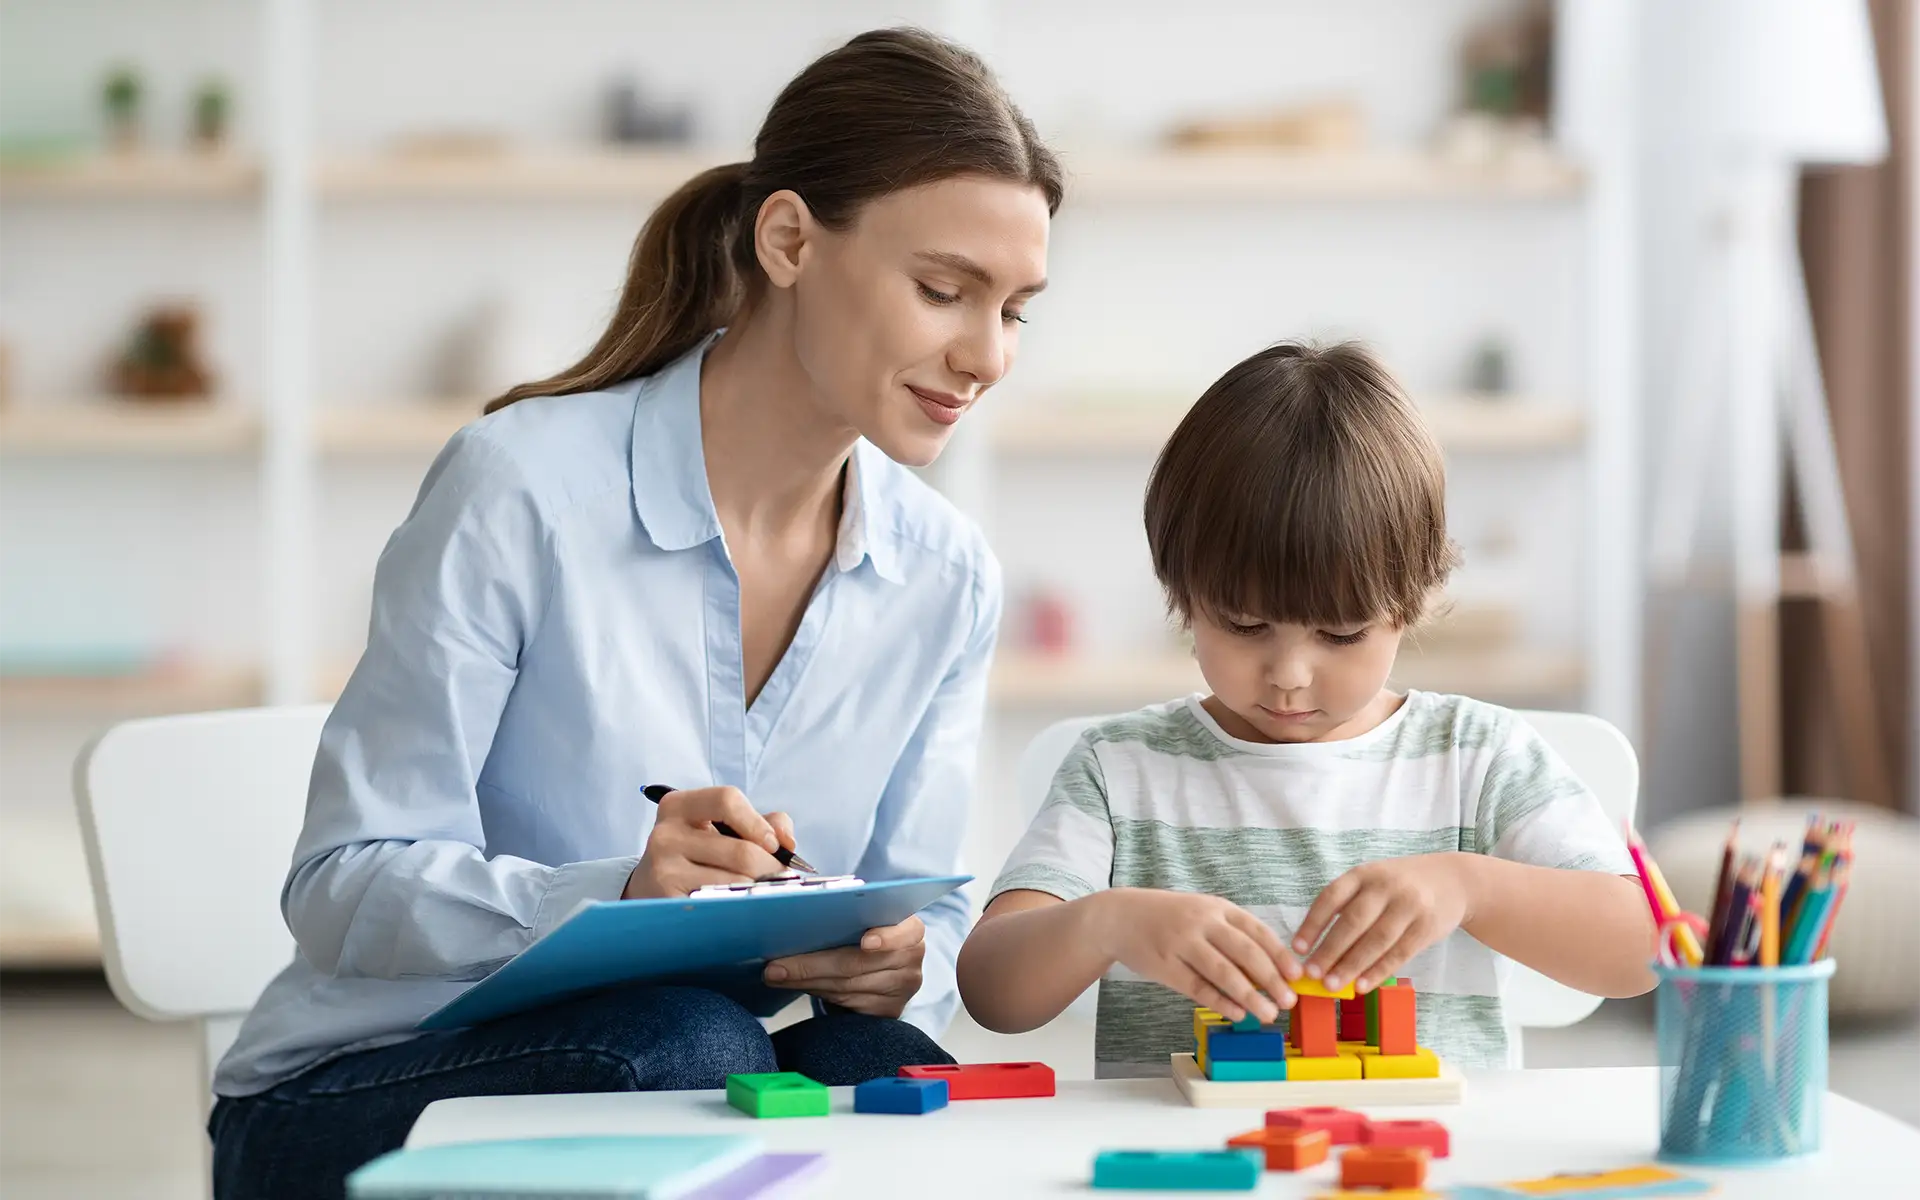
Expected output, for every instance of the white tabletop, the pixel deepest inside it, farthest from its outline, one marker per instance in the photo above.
(1512, 1125)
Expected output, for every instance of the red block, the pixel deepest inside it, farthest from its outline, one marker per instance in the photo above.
(989, 1081)
(1343, 1125)
(1383, 1167)
(1314, 1017)
(1353, 1020)
(1396, 1018)
(1431, 1134)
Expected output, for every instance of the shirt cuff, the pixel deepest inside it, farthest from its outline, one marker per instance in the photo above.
(575, 884)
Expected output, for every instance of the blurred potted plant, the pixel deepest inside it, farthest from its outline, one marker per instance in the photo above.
(120, 96)
(212, 111)
(162, 360)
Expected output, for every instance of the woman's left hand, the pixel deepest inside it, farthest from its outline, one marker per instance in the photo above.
(877, 977)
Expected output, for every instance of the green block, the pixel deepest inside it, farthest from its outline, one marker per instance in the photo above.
(1373, 1009)
(1246, 1070)
(777, 1094)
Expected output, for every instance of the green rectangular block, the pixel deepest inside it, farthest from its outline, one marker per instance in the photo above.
(1246, 1070)
(777, 1094)
(1373, 1009)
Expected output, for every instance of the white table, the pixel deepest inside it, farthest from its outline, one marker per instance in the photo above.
(1513, 1125)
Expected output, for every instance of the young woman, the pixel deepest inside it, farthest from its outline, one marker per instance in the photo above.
(693, 558)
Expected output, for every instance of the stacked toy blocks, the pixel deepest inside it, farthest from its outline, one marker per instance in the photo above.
(1331, 1035)
(1381, 1154)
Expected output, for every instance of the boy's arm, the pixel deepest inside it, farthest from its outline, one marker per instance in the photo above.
(1586, 929)
(1032, 953)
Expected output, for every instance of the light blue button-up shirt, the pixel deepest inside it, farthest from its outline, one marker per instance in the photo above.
(557, 624)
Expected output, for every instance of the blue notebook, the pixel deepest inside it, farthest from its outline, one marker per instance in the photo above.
(589, 1168)
(719, 943)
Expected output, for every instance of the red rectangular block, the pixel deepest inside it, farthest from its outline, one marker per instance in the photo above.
(1384, 1167)
(1343, 1125)
(989, 1081)
(1396, 1018)
(1431, 1134)
(1353, 1020)
(1314, 1017)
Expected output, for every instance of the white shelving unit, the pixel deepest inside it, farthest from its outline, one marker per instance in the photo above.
(291, 433)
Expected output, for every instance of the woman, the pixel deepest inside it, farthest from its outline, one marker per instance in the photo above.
(694, 558)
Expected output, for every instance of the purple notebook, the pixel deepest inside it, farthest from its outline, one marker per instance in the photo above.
(762, 1178)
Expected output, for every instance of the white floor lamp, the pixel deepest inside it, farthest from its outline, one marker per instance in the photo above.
(1779, 85)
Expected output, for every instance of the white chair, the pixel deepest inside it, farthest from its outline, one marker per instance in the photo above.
(189, 824)
(1597, 752)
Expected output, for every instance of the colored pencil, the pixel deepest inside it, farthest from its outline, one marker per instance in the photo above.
(1812, 847)
(1664, 904)
(1722, 895)
(1745, 879)
(1842, 873)
(1770, 906)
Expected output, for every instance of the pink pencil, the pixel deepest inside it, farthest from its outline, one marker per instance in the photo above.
(1646, 879)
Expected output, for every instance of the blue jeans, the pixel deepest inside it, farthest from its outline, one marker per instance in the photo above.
(302, 1138)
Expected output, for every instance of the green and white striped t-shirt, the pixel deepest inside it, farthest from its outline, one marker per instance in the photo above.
(1164, 798)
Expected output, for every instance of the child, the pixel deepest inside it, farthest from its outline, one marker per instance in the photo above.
(1198, 851)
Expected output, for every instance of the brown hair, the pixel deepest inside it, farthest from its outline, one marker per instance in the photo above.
(891, 109)
(1304, 488)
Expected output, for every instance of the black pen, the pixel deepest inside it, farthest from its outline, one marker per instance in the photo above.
(657, 792)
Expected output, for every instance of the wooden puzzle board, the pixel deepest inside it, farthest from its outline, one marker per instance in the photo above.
(1202, 1092)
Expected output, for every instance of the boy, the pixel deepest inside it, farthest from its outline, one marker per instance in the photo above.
(1301, 810)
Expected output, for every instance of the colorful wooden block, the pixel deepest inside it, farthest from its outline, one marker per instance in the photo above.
(1257, 1070)
(1334, 1066)
(1372, 1001)
(1247, 1024)
(1287, 1147)
(1226, 1045)
(777, 1094)
(1187, 1170)
(1627, 1183)
(1353, 1020)
(1342, 1125)
(1396, 1194)
(1395, 1006)
(1313, 987)
(893, 1094)
(988, 1081)
(1384, 1167)
(1360, 1048)
(1314, 1018)
(1431, 1134)
(1421, 1064)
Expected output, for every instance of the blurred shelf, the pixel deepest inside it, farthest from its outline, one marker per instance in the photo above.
(131, 427)
(1466, 424)
(163, 690)
(49, 949)
(1112, 682)
(132, 176)
(515, 175)
(402, 427)
(1303, 175)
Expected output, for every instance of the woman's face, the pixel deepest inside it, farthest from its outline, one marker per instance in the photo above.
(905, 319)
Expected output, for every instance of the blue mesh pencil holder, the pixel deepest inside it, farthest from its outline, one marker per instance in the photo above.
(1743, 1062)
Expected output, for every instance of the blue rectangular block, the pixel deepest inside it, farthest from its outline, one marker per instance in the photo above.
(1247, 1070)
(1224, 1046)
(1189, 1170)
(892, 1094)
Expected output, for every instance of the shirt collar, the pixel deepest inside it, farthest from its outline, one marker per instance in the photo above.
(675, 505)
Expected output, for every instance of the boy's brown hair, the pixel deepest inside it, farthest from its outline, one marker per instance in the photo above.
(1304, 488)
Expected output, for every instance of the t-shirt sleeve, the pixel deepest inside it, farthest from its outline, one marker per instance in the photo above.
(1535, 810)
(1068, 850)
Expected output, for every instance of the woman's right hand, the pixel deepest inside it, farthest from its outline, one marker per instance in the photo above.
(685, 852)
(1210, 950)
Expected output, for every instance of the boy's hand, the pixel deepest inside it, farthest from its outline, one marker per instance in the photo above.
(1210, 950)
(1388, 912)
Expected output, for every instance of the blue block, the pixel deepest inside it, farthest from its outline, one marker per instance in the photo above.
(1265, 1045)
(1260, 1070)
(1189, 1170)
(892, 1094)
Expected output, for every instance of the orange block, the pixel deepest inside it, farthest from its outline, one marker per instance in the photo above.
(1315, 1018)
(1384, 1167)
(1287, 1149)
(1396, 1018)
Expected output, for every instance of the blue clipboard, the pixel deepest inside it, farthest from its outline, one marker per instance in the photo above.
(713, 942)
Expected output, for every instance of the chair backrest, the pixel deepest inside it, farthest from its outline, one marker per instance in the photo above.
(1597, 752)
(189, 824)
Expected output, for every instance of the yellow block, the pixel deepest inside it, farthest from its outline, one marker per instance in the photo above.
(1340, 1066)
(1360, 1048)
(1573, 1185)
(1313, 987)
(1421, 1064)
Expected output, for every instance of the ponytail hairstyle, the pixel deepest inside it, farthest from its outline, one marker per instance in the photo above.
(890, 110)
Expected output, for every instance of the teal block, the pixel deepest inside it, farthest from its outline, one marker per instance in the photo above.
(1246, 1070)
(1247, 1024)
(1188, 1170)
